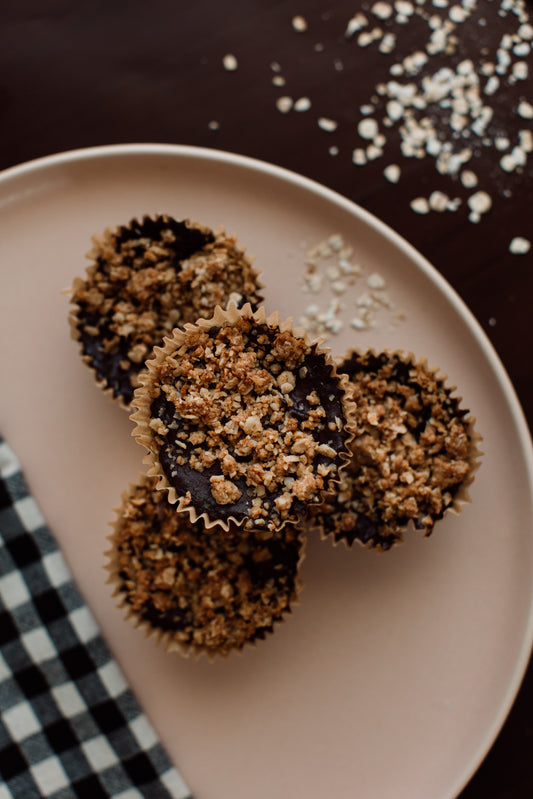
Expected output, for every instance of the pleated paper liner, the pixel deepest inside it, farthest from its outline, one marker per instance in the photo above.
(199, 593)
(414, 456)
(246, 421)
(145, 278)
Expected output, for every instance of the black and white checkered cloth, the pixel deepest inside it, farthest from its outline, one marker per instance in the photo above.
(69, 726)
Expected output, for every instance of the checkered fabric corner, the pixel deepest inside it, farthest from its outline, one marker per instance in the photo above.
(69, 726)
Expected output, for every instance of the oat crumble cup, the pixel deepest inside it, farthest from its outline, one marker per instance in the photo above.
(199, 593)
(413, 458)
(145, 278)
(245, 420)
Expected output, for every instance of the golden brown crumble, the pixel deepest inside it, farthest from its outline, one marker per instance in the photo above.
(247, 417)
(145, 279)
(211, 592)
(412, 452)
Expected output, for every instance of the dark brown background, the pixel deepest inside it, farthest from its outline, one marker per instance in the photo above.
(76, 73)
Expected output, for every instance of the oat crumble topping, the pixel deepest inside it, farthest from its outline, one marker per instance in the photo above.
(146, 278)
(246, 417)
(412, 453)
(210, 592)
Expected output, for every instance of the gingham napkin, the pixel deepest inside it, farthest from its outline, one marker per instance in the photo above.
(69, 724)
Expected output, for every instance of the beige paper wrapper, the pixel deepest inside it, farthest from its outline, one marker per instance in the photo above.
(146, 434)
(92, 269)
(461, 494)
(175, 640)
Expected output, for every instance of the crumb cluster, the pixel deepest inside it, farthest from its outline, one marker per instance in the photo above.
(330, 271)
(207, 591)
(434, 99)
(146, 278)
(412, 452)
(246, 420)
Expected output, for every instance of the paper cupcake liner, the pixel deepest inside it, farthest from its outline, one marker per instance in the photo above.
(219, 247)
(340, 521)
(239, 577)
(214, 498)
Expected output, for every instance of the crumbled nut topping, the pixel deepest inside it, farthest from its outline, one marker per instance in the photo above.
(412, 453)
(147, 278)
(248, 418)
(213, 591)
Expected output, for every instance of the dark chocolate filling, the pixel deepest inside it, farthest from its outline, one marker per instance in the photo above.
(188, 240)
(107, 364)
(366, 530)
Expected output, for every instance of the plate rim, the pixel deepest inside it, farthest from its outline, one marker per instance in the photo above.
(144, 149)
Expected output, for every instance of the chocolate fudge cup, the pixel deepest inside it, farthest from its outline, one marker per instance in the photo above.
(199, 593)
(145, 278)
(413, 457)
(245, 420)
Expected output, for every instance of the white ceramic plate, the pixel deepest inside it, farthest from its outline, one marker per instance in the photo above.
(394, 675)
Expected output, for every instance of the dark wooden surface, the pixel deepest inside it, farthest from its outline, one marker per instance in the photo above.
(76, 73)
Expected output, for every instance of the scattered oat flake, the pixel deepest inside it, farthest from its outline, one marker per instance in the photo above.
(327, 124)
(405, 8)
(284, 104)
(375, 281)
(336, 242)
(230, 62)
(367, 37)
(525, 110)
(520, 70)
(392, 172)
(355, 24)
(420, 205)
(480, 202)
(388, 43)
(299, 24)
(373, 152)
(507, 163)
(438, 201)
(382, 10)
(367, 128)
(519, 245)
(468, 179)
(526, 140)
(302, 104)
(213, 125)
